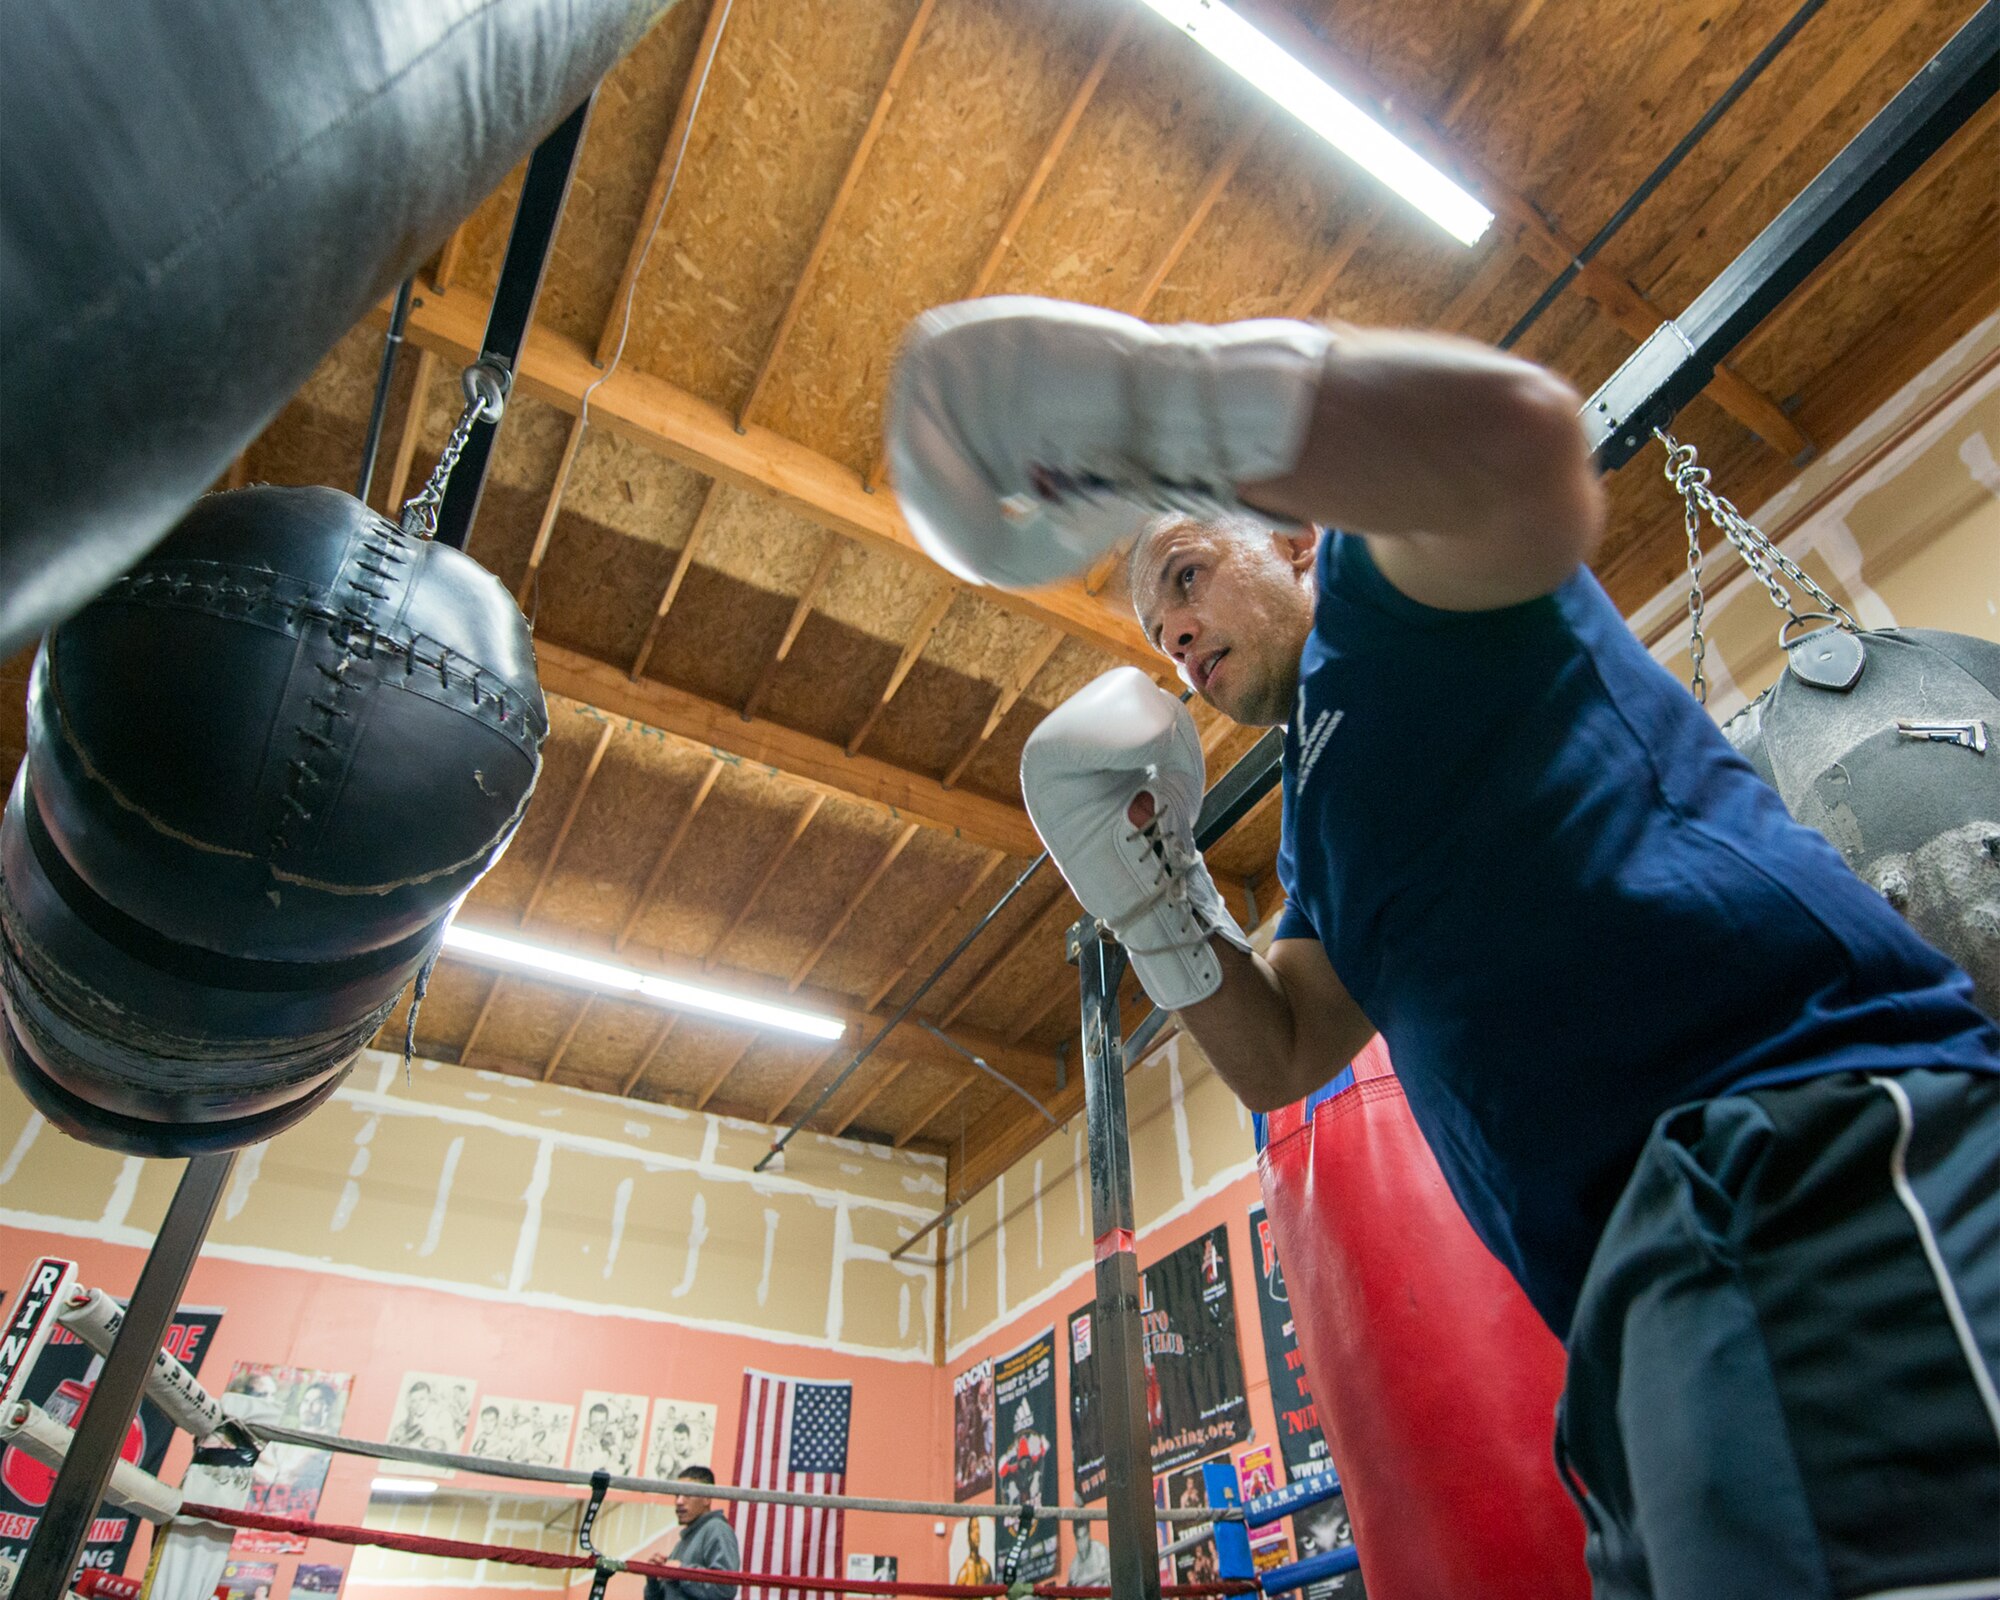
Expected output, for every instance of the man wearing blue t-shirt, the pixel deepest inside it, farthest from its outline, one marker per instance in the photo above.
(1733, 1127)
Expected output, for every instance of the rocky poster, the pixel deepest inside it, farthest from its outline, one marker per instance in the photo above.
(1024, 1454)
(972, 1431)
(1299, 1438)
(60, 1384)
(1086, 1425)
(1195, 1398)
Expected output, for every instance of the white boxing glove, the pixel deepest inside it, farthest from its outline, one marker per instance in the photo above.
(1028, 437)
(1118, 736)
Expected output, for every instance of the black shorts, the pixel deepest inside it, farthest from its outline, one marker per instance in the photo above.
(1782, 1366)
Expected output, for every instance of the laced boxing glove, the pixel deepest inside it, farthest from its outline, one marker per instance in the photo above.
(1028, 437)
(1117, 737)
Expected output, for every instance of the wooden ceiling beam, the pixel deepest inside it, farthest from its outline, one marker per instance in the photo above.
(748, 903)
(1038, 177)
(545, 530)
(654, 413)
(1220, 175)
(1025, 674)
(800, 611)
(1034, 928)
(683, 559)
(721, 1075)
(853, 903)
(479, 1020)
(448, 259)
(406, 437)
(920, 637)
(795, 1085)
(1629, 310)
(1346, 246)
(935, 927)
(656, 192)
(881, 1082)
(1941, 160)
(568, 1036)
(1762, 156)
(798, 758)
(830, 223)
(646, 1056)
(1040, 1014)
(668, 851)
(937, 1108)
(568, 821)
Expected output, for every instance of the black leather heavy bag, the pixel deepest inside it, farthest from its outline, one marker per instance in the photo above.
(197, 199)
(1902, 772)
(262, 770)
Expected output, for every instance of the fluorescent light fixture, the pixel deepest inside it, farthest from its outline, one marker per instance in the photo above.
(402, 1488)
(608, 976)
(1329, 113)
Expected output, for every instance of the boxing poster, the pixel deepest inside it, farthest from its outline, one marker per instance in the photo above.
(1186, 1491)
(610, 1433)
(530, 1433)
(1024, 1454)
(683, 1437)
(972, 1431)
(1299, 1437)
(1086, 1423)
(288, 1478)
(1195, 1398)
(60, 1384)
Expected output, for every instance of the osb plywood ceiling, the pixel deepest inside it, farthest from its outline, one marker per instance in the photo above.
(784, 744)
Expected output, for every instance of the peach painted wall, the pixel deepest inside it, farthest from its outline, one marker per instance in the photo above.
(290, 1316)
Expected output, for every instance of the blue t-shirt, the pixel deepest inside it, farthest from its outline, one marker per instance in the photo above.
(1568, 904)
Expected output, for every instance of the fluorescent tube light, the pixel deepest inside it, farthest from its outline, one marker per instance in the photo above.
(608, 976)
(402, 1488)
(1329, 113)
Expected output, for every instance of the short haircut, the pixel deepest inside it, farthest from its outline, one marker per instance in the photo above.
(697, 1474)
(1139, 558)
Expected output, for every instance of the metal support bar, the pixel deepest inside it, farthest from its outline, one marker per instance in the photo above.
(1674, 365)
(58, 1540)
(1121, 1372)
(392, 343)
(543, 192)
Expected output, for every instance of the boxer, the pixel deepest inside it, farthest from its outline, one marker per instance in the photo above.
(1731, 1125)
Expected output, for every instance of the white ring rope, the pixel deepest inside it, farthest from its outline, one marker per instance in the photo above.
(494, 1467)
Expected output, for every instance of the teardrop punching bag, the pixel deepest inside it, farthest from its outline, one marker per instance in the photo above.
(1900, 769)
(1434, 1379)
(197, 199)
(262, 771)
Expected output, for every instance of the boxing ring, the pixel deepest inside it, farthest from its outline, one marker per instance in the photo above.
(1625, 413)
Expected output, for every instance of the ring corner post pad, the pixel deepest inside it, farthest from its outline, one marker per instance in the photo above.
(1133, 1537)
(57, 1542)
(1232, 1538)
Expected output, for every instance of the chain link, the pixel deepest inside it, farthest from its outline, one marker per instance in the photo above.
(1770, 565)
(485, 385)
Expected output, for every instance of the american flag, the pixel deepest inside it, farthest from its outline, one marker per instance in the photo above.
(793, 1437)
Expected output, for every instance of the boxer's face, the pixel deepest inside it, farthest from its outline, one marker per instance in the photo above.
(1231, 605)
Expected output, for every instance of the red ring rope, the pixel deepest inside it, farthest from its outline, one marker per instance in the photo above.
(418, 1544)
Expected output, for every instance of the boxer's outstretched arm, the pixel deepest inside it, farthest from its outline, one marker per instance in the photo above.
(1466, 468)
(1277, 1028)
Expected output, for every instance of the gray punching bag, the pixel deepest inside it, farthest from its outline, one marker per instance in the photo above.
(1902, 773)
(263, 769)
(197, 199)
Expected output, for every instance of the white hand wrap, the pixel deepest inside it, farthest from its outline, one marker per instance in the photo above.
(1028, 437)
(1118, 737)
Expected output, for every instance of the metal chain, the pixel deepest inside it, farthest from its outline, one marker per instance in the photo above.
(1691, 482)
(485, 384)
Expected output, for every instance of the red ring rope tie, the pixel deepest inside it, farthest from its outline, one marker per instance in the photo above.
(419, 1544)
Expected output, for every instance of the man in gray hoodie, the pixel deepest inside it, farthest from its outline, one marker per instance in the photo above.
(706, 1541)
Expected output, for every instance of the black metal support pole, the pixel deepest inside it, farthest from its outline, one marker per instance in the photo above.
(57, 1544)
(1675, 364)
(1120, 1351)
(543, 192)
(391, 345)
